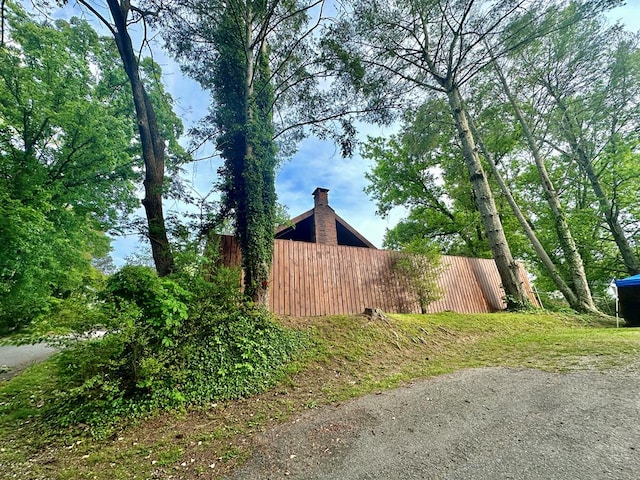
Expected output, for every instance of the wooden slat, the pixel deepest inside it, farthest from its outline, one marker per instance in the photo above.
(314, 292)
(310, 279)
(337, 274)
(347, 280)
(324, 276)
(299, 296)
(279, 254)
(358, 289)
(305, 309)
(370, 297)
(292, 281)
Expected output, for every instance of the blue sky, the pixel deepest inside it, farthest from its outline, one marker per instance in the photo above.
(316, 163)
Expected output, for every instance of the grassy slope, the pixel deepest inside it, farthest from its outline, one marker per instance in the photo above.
(351, 356)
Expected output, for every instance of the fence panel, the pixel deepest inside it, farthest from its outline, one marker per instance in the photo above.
(309, 279)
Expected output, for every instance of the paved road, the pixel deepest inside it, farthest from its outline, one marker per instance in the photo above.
(14, 359)
(476, 424)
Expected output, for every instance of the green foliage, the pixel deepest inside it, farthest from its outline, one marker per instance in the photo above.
(217, 51)
(420, 263)
(578, 83)
(66, 169)
(172, 342)
(161, 303)
(131, 368)
(242, 355)
(244, 94)
(420, 169)
(44, 260)
(576, 80)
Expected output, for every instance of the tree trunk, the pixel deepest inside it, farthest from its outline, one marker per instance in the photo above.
(542, 254)
(152, 145)
(508, 269)
(255, 206)
(630, 259)
(584, 300)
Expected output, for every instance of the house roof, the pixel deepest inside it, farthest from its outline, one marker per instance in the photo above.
(322, 225)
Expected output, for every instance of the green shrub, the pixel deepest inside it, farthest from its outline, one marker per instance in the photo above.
(175, 342)
(241, 355)
(421, 264)
(161, 301)
(73, 315)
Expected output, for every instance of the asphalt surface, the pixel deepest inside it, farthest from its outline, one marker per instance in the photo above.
(14, 359)
(476, 424)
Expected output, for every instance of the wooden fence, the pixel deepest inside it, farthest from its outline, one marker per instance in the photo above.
(309, 279)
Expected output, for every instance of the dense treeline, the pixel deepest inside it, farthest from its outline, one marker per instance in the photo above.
(554, 115)
(68, 169)
(518, 132)
(70, 158)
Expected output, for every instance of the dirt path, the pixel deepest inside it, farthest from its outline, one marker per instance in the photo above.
(479, 424)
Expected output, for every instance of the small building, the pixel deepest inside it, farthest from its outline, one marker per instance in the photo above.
(323, 266)
(322, 225)
(629, 299)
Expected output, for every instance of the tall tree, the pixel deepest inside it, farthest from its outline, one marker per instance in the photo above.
(418, 169)
(66, 164)
(242, 86)
(581, 300)
(153, 145)
(525, 223)
(589, 72)
(237, 71)
(435, 47)
(268, 90)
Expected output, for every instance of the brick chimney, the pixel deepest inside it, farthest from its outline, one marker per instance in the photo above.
(325, 218)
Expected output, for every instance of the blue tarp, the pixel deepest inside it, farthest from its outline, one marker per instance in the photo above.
(629, 282)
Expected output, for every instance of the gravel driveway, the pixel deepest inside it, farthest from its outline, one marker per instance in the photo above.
(493, 423)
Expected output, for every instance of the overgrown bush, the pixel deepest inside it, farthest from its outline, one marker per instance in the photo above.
(421, 264)
(241, 355)
(177, 341)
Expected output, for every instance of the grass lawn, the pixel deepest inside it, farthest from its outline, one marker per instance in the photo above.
(351, 356)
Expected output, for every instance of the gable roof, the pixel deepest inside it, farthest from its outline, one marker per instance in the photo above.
(322, 225)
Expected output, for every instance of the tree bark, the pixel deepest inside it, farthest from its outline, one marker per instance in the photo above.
(542, 254)
(255, 206)
(153, 146)
(630, 259)
(583, 301)
(508, 269)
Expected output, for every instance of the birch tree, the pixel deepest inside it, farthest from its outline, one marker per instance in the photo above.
(589, 74)
(581, 299)
(435, 47)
